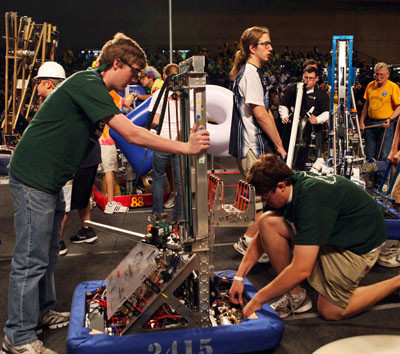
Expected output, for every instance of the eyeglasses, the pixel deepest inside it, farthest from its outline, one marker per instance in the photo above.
(380, 74)
(135, 71)
(309, 78)
(265, 44)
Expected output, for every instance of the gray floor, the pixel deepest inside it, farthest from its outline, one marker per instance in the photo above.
(303, 333)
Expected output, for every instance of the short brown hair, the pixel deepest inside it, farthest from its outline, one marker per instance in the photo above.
(310, 70)
(267, 172)
(310, 62)
(124, 48)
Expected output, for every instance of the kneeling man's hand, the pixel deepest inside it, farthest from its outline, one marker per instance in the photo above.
(250, 309)
(236, 292)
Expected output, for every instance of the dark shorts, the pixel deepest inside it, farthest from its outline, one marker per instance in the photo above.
(82, 187)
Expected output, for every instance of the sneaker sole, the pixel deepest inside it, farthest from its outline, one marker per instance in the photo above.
(53, 326)
(63, 252)
(388, 265)
(88, 240)
(238, 249)
(58, 325)
(115, 212)
(304, 308)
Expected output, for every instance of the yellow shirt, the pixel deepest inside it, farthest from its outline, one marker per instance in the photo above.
(382, 101)
(156, 86)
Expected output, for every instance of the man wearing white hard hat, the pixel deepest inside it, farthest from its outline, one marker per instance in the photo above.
(50, 74)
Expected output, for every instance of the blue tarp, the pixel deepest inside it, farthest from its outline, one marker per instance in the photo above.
(263, 333)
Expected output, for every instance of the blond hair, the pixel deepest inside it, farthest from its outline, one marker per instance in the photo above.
(124, 48)
(381, 66)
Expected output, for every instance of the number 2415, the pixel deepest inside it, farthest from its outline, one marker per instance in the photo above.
(204, 347)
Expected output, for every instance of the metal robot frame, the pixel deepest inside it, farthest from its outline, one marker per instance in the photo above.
(345, 144)
(198, 238)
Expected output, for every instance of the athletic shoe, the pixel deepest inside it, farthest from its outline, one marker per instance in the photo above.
(63, 248)
(289, 304)
(241, 247)
(389, 257)
(35, 347)
(53, 320)
(115, 207)
(170, 203)
(84, 235)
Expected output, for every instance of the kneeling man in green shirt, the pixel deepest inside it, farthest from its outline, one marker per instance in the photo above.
(336, 229)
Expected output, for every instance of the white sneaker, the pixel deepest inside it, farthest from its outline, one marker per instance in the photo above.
(35, 347)
(53, 320)
(389, 257)
(241, 247)
(115, 207)
(170, 203)
(289, 304)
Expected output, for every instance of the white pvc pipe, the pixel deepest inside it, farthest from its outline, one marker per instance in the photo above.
(295, 123)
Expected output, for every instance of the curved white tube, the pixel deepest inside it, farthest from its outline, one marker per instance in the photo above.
(219, 103)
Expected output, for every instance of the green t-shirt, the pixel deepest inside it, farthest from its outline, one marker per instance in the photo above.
(332, 210)
(57, 140)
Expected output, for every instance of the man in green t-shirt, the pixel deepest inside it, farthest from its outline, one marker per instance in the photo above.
(336, 229)
(51, 149)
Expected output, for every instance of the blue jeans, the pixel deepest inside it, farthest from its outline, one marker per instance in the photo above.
(37, 224)
(374, 137)
(160, 163)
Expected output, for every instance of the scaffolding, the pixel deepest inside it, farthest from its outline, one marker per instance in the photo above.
(28, 45)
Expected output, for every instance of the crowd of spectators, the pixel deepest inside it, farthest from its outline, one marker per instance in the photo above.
(281, 70)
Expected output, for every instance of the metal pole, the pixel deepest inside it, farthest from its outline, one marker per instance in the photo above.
(170, 31)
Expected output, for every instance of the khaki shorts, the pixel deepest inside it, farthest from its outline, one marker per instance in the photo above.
(246, 163)
(337, 273)
(244, 167)
(109, 162)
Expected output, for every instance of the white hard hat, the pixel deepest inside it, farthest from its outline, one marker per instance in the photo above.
(51, 70)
